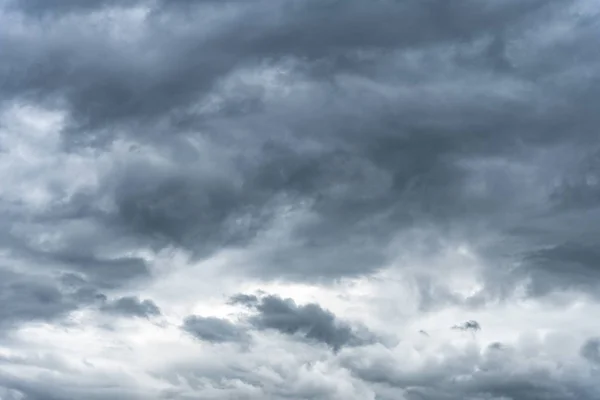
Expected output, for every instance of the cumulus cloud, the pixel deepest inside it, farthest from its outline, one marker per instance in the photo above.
(299, 177)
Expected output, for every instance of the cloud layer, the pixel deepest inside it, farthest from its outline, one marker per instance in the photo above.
(396, 199)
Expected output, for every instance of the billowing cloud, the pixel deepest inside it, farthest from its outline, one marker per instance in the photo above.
(299, 177)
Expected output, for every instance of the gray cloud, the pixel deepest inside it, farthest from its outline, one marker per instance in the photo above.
(309, 321)
(473, 376)
(132, 306)
(28, 298)
(311, 142)
(102, 89)
(591, 350)
(580, 187)
(418, 163)
(212, 329)
(468, 326)
(565, 265)
(269, 312)
(55, 8)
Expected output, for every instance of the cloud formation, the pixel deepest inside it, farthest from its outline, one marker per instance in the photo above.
(212, 329)
(132, 306)
(309, 321)
(374, 173)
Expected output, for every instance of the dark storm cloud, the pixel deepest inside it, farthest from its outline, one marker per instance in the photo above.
(132, 306)
(572, 254)
(212, 329)
(569, 265)
(369, 164)
(115, 85)
(186, 209)
(317, 137)
(309, 321)
(580, 187)
(275, 30)
(62, 7)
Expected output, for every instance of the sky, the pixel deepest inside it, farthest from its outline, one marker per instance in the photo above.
(299, 199)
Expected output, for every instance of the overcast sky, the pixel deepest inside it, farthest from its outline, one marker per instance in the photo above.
(299, 199)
